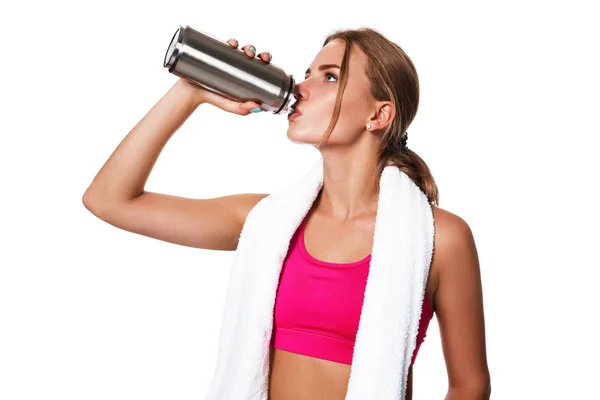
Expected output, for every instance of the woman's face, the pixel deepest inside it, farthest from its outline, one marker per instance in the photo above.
(316, 97)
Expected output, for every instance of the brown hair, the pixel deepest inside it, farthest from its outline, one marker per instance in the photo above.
(393, 78)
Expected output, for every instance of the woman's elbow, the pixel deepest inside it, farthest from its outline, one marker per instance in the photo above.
(475, 391)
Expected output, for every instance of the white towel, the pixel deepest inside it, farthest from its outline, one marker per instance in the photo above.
(394, 293)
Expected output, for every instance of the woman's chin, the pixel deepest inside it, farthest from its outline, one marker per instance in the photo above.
(301, 137)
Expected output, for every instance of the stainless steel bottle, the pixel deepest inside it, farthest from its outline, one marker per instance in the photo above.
(211, 63)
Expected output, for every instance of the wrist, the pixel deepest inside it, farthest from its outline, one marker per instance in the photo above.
(190, 90)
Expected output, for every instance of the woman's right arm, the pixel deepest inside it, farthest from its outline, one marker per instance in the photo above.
(117, 196)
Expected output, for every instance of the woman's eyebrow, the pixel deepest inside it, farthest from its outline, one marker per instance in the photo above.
(324, 67)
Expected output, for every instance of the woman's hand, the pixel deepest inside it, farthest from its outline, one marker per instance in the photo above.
(250, 51)
(232, 106)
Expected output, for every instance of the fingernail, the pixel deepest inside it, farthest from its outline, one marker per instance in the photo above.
(269, 54)
(252, 49)
(256, 110)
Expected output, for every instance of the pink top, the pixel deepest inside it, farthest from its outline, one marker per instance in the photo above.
(318, 305)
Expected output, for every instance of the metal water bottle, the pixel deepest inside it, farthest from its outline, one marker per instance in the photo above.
(214, 65)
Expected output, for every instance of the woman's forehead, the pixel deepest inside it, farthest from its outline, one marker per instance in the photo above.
(333, 53)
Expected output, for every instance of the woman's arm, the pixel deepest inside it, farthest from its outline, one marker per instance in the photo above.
(458, 303)
(117, 194)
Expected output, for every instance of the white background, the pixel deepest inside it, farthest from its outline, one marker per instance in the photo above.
(508, 123)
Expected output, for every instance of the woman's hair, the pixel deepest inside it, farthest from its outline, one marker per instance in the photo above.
(393, 78)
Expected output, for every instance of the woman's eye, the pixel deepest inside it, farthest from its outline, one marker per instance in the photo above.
(332, 75)
(327, 75)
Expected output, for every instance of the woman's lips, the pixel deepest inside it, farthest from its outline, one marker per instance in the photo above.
(294, 114)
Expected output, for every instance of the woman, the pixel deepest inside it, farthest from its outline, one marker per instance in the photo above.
(362, 90)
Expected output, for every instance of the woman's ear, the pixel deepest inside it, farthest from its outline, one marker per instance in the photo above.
(384, 115)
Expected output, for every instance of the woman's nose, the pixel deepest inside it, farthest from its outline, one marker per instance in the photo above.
(299, 91)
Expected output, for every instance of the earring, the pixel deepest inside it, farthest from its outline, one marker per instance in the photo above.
(369, 126)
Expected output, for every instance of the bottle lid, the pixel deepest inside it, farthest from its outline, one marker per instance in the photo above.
(289, 95)
(173, 52)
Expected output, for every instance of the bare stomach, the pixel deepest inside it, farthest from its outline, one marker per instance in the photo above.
(299, 377)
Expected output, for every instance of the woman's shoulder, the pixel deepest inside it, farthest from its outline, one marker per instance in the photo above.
(454, 244)
(449, 225)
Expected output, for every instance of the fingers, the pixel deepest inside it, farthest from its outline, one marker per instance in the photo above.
(250, 51)
(235, 107)
(265, 56)
(249, 107)
(233, 43)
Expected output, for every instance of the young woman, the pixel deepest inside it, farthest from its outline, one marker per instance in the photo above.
(362, 90)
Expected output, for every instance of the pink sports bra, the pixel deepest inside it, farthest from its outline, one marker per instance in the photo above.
(318, 305)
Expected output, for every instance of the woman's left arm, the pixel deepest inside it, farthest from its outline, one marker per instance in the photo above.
(458, 303)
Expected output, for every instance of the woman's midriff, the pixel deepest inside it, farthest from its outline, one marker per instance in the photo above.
(299, 377)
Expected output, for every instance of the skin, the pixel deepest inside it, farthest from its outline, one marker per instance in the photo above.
(340, 228)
